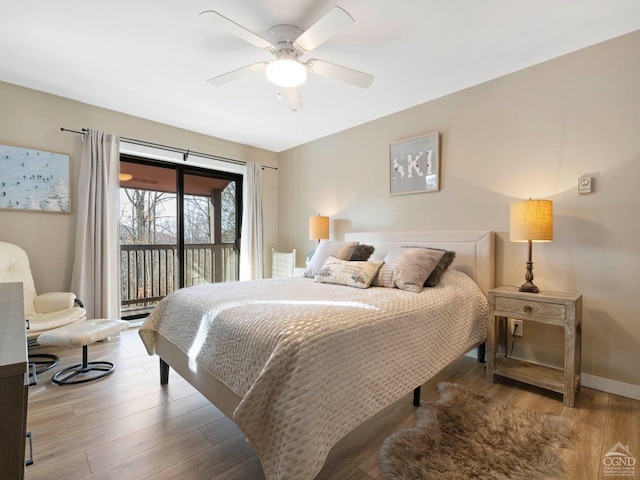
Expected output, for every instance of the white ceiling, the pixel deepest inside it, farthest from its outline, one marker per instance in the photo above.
(151, 58)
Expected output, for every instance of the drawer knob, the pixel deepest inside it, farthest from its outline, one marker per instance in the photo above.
(527, 309)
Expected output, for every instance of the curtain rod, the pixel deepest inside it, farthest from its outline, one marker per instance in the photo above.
(185, 153)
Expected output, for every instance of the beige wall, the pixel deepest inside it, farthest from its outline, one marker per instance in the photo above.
(33, 119)
(528, 134)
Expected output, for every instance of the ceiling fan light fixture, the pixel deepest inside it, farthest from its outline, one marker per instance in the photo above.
(286, 73)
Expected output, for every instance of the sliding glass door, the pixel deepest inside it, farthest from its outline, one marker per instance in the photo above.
(179, 227)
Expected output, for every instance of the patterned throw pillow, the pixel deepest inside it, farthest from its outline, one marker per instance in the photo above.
(407, 268)
(327, 248)
(352, 274)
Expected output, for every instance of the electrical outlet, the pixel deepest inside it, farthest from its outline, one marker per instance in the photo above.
(519, 324)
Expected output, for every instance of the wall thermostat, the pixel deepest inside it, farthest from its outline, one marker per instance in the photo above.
(584, 184)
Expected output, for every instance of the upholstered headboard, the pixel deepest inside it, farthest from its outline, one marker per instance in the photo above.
(474, 249)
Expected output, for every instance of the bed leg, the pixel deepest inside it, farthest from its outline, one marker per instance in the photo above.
(164, 372)
(481, 352)
(416, 397)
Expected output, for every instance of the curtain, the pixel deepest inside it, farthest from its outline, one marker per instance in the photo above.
(251, 242)
(96, 270)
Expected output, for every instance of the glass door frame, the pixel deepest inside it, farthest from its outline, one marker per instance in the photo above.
(182, 170)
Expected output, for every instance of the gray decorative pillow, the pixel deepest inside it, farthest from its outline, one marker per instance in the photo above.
(407, 268)
(362, 253)
(352, 274)
(327, 248)
(446, 260)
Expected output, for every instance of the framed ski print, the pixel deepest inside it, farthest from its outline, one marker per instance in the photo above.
(34, 180)
(414, 165)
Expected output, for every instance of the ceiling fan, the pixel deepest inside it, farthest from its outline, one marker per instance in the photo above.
(287, 69)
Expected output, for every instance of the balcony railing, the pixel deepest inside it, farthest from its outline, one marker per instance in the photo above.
(150, 272)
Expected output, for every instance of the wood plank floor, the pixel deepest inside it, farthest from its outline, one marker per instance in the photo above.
(128, 427)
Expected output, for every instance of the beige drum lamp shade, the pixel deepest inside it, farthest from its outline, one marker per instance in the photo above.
(318, 228)
(531, 220)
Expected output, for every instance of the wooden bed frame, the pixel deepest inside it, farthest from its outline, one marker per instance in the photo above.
(474, 256)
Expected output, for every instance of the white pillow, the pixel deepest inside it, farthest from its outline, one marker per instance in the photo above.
(326, 249)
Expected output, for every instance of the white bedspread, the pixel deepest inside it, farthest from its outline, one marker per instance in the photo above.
(312, 361)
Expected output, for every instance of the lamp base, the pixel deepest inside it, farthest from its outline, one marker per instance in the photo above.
(310, 255)
(528, 287)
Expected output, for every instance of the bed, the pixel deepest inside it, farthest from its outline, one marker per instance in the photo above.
(298, 364)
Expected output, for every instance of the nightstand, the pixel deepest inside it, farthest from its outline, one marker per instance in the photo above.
(561, 309)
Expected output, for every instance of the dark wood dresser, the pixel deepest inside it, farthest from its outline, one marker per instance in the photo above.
(13, 384)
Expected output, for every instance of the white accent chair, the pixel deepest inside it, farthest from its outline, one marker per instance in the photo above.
(43, 312)
(283, 264)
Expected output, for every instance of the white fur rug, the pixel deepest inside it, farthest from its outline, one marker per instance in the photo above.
(466, 435)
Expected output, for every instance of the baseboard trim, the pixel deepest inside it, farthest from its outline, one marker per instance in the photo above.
(607, 385)
(473, 353)
(611, 386)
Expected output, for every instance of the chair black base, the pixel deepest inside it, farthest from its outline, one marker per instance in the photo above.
(88, 372)
(43, 362)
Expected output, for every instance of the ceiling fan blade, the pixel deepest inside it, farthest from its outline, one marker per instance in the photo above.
(334, 21)
(344, 74)
(294, 98)
(239, 31)
(236, 74)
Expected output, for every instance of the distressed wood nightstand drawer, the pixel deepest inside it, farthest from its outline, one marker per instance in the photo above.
(531, 309)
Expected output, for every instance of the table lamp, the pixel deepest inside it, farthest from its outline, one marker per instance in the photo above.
(531, 221)
(318, 230)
